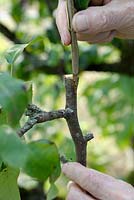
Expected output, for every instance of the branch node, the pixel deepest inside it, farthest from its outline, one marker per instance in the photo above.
(88, 137)
(32, 110)
(63, 159)
(68, 112)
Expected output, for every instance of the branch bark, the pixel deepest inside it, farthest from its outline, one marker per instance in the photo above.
(72, 120)
(36, 115)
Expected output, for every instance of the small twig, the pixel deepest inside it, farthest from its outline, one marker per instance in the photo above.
(27, 126)
(88, 137)
(36, 115)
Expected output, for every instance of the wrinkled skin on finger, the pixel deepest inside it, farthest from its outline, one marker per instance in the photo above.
(99, 23)
(76, 193)
(98, 185)
(61, 16)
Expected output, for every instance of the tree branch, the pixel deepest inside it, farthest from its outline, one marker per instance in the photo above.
(72, 120)
(61, 69)
(9, 34)
(36, 115)
(71, 84)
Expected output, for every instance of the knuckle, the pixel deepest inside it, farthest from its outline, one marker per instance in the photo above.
(97, 20)
(108, 39)
(130, 7)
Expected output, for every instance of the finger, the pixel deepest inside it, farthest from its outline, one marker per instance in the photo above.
(99, 185)
(61, 21)
(95, 20)
(100, 37)
(106, 39)
(76, 193)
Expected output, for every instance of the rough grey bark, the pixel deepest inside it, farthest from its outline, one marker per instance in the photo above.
(36, 115)
(72, 120)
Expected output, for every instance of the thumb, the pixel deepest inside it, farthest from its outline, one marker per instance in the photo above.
(95, 20)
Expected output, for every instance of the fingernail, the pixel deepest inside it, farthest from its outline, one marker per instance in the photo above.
(80, 22)
(70, 184)
(62, 40)
(65, 38)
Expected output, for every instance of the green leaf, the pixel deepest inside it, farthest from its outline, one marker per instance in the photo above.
(0, 162)
(3, 166)
(81, 4)
(43, 159)
(55, 174)
(12, 150)
(126, 84)
(52, 193)
(14, 98)
(14, 52)
(17, 11)
(8, 184)
(67, 149)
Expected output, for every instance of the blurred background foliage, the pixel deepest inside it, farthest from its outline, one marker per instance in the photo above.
(106, 89)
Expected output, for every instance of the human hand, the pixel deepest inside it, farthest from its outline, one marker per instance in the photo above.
(89, 184)
(98, 24)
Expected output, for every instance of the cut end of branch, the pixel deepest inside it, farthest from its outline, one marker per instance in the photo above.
(71, 80)
(71, 77)
(68, 76)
